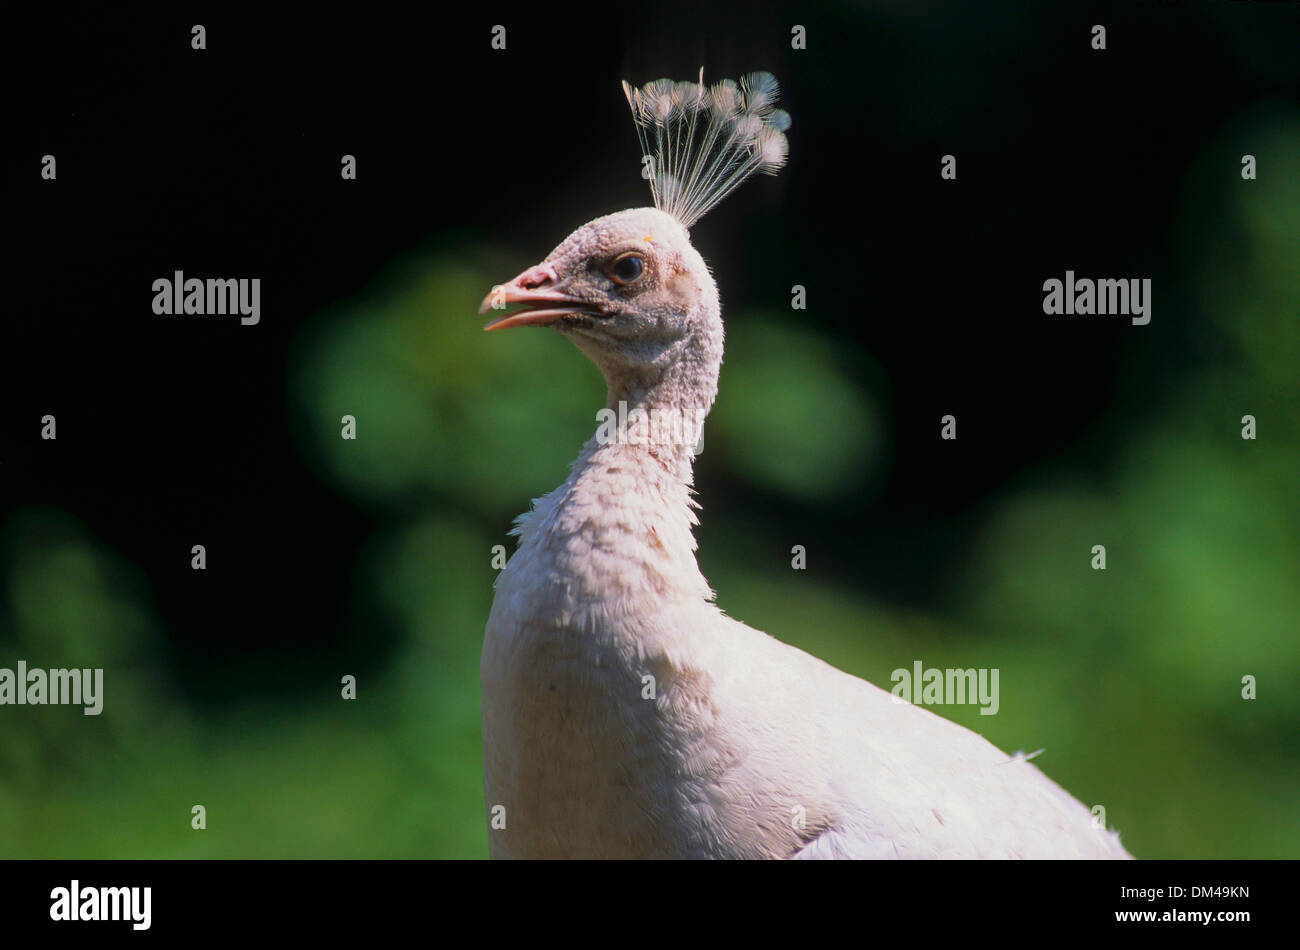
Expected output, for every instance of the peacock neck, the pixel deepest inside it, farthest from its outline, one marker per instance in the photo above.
(620, 528)
(659, 409)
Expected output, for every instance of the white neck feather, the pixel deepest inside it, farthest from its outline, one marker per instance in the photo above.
(618, 531)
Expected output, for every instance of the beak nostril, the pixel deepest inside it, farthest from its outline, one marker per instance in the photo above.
(542, 293)
(543, 275)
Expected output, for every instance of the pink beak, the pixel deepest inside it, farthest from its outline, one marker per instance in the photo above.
(534, 288)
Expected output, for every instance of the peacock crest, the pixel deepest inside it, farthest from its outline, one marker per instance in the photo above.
(699, 143)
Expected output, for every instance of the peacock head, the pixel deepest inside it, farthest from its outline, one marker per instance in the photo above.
(629, 288)
(625, 288)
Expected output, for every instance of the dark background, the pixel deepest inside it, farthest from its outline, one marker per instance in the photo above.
(924, 299)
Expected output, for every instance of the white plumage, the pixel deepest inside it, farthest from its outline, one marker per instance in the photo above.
(624, 715)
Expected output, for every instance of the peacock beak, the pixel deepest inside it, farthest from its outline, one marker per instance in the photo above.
(538, 290)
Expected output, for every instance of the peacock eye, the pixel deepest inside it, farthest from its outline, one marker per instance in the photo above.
(627, 268)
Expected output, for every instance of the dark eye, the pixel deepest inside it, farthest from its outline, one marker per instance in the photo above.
(627, 268)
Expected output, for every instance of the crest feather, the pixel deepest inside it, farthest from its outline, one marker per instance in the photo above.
(703, 142)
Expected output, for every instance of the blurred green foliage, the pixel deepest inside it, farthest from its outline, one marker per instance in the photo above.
(1130, 677)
